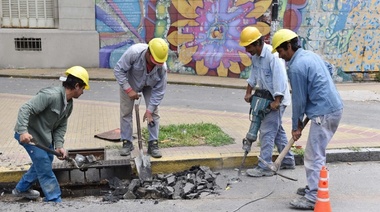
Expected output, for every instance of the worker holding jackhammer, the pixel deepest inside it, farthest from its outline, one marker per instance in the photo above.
(44, 119)
(314, 95)
(142, 68)
(268, 103)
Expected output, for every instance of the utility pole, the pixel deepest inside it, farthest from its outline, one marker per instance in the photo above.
(274, 22)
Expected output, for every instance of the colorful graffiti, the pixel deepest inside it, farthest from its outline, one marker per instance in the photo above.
(207, 34)
(203, 34)
(343, 32)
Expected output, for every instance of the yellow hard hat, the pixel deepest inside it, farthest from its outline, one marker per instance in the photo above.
(158, 49)
(79, 72)
(249, 35)
(281, 36)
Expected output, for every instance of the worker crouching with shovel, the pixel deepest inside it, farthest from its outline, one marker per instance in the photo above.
(268, 103)
(44, 119)
(142, 69)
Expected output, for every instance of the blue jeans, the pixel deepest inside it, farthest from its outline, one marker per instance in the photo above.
(272, 133)
(322, 129)
(41, 170)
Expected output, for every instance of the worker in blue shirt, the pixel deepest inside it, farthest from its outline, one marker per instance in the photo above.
(268, 75)
(314, 95)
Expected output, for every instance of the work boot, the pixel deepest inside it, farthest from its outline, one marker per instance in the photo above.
(127, 148)
(153, 149)
(302, 191)
(29, 194)
(287, 166)
(302, 203)
(259, 172)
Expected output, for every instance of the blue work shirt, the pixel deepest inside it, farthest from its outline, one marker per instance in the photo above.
(313, 90)
(269, 73)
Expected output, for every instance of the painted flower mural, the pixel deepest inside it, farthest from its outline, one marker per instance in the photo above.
(207, 33)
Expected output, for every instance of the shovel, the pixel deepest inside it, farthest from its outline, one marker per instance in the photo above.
(72, 161)
(142, 161)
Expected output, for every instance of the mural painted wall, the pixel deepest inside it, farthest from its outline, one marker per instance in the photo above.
(344, 32)
(203, 35)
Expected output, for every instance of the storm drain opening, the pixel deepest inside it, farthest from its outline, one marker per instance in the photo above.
(94, 167)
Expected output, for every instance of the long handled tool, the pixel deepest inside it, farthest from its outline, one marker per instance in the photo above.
(277, 163)
(142, 161)
(72, 161)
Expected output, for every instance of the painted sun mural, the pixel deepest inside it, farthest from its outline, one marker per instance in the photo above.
(206, 34)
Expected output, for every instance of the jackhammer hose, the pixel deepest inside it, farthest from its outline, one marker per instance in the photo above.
(260, 198)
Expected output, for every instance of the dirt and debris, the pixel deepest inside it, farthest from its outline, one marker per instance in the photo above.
(188, 184)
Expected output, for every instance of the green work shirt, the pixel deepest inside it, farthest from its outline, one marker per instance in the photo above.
(45, 116)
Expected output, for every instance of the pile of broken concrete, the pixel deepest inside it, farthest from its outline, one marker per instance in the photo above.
(188, 184)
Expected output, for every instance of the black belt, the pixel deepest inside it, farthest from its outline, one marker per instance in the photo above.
(265, 94)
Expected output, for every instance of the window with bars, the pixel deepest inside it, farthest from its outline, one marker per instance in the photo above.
(28, 44)
(27, 13)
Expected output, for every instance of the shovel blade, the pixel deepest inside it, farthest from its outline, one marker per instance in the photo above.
(143, 167)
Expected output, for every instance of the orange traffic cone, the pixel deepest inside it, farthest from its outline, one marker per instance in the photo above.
(323, 199)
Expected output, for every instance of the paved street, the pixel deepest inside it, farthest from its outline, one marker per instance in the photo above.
(353, 187)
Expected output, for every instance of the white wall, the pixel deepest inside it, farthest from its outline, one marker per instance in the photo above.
(60, 49)
(76, 15)
(74, 42)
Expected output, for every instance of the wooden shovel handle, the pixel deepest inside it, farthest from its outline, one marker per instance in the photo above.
(278, 161)
(138, 124)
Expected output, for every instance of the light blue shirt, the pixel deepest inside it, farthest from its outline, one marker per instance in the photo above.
(313, 90)
(269, 73)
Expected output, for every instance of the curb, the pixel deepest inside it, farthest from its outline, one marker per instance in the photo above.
(347, 155)
(214, 161)
(225, 161)
(113, 79)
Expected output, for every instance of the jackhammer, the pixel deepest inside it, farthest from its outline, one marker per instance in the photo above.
(260, 106)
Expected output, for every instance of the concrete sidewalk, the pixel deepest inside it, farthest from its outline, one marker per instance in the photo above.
(93, 117)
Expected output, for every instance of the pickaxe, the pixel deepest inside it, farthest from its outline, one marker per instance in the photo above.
(277, 163)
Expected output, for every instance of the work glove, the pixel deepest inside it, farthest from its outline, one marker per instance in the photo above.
(247, 145)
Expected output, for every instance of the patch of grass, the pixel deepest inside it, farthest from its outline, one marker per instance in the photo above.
(190, 135)
(297, 151)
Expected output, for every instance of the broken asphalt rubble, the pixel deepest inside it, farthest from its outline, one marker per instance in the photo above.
(188, 184)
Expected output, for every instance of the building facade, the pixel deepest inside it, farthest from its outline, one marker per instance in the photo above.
(48, 34)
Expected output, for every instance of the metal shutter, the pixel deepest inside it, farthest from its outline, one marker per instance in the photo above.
(27, 13)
